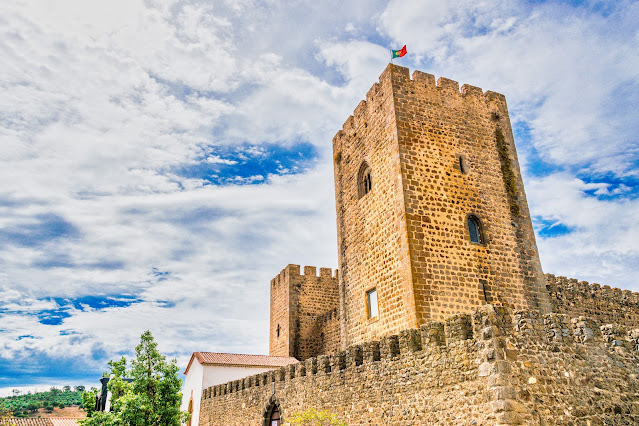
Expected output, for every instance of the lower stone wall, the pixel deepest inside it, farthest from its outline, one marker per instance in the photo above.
(600, 302)
(492, 367)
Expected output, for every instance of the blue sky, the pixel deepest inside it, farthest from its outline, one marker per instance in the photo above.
(161, 161)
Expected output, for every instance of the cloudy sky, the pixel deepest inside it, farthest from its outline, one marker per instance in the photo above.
(161, 160)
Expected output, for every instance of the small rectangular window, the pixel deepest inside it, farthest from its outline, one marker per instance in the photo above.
(371, 300)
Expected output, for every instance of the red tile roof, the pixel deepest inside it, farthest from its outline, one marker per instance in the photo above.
(64, 421)
(24, 422)
(243, 360)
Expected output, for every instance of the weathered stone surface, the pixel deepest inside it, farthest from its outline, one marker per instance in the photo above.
(572, 382)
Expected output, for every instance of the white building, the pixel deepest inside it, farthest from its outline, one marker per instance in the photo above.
(211, 368)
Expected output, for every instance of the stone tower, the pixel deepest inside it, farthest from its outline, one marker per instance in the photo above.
(304, 313)
(432, 218)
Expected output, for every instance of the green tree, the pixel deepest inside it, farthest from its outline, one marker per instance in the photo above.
(88, 401)
(153, 396)
(312, 417)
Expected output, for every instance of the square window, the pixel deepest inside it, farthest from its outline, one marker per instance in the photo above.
(371, 301)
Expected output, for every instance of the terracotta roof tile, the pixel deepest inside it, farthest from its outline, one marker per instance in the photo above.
(216, 358)
(64, 421)
(24, 422)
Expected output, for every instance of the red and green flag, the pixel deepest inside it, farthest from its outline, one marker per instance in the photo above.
(399, 53)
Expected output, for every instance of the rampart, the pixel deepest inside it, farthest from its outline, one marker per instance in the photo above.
(600, 302)
(494, 366)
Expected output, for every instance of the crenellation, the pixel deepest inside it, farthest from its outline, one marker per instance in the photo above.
(410, 341)
(458, 327)
(338, 361)
(360, 111)
(355, 355)
(290, 372)
(349, 125)
(447, 85)
(389, 346)
(469, 91)
(323, 364)
(424, 78)
(371, 351)
(432, 334)
(372, 93)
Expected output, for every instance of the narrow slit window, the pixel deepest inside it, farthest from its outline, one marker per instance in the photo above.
(474, 230)
(278, 330)
(371, 301)
(462, 164)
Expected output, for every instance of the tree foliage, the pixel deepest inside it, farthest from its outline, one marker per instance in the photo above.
(313, 417)
(151, 398)
(26, 404)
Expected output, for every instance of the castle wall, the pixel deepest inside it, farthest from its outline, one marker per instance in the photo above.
(308, 305)
(496, 366)
(604, 304)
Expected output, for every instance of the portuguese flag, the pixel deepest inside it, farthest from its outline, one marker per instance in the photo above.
(399, 53)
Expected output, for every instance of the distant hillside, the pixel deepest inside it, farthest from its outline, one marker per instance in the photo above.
(42, 403)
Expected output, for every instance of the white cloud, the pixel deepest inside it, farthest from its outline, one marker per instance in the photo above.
(102, 104)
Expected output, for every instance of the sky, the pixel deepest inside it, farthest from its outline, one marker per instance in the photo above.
(161, 161)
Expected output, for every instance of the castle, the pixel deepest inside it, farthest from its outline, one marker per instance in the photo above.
(440, 312)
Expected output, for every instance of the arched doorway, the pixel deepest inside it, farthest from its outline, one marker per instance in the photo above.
(190, 410)
(275, 417)
(272, 412)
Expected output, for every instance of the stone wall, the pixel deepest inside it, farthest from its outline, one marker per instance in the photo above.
(371, 230)
(496, 366)
(305, 308)
(458, 158)
(600, 302)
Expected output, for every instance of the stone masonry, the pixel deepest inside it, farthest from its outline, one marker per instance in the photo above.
(304, 312)
(494, 366)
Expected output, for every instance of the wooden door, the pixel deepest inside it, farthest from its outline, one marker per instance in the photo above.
(275, 417)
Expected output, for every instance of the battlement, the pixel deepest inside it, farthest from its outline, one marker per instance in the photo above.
(399, 77)
(564, 284)
(601, 302)
(463, 332)
(309, 271)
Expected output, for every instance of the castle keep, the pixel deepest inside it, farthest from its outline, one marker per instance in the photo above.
(440, 312)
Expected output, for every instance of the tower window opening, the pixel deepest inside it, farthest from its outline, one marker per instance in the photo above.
(371, 303)
(278, 330)
(475, 230)
(462, 164)
(364, 180)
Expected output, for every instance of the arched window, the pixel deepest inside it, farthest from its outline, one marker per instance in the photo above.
(475, 230)
(364, 181)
